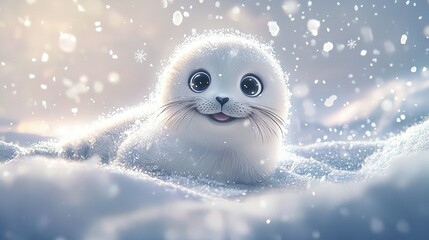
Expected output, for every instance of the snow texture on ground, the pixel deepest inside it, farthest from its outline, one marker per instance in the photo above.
(374, 190)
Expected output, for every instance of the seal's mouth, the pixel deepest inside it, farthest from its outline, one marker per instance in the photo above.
(221, 117)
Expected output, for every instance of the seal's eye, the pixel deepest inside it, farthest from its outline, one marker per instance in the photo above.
(251, 86)
(199, 81)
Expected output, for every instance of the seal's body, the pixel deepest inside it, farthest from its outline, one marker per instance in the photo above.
(223, 106)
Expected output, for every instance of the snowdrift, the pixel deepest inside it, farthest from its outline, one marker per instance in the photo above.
(373, 190)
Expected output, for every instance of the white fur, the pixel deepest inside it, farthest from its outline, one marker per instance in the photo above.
(181, 139)
(173, 132)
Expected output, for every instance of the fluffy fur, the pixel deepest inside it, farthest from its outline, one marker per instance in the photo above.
(184, 139)
(181, 131)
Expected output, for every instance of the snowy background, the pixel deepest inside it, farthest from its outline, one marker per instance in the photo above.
(359, 77)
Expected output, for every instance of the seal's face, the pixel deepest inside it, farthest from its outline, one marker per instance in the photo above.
(225, 89)
(223, 110)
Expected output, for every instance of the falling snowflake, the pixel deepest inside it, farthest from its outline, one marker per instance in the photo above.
(351, 43)
(140, 56)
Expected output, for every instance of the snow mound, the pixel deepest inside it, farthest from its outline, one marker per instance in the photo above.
(8, 151)
(383, 195)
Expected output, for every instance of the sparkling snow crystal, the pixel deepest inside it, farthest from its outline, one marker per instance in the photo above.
(273, 28)
(328, 46)
(351, 43)
(140, 56)
(67, 42)
(329, 102)
(313, 26)
(404, 39)
(177, 18)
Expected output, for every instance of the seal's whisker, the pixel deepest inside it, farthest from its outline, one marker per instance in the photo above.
(175, 111)
(264, 124)
(256, 125)
(266, 119)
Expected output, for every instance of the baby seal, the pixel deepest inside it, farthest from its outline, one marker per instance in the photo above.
(223, 110)
(220, 111)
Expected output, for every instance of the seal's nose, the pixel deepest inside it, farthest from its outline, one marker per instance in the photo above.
(222, 100)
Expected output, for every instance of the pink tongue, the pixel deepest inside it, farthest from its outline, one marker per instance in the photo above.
(220, 117)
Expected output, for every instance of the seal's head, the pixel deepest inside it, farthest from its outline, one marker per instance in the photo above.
(226, 92)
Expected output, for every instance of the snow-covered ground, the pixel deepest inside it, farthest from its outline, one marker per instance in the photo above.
(345, 191)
